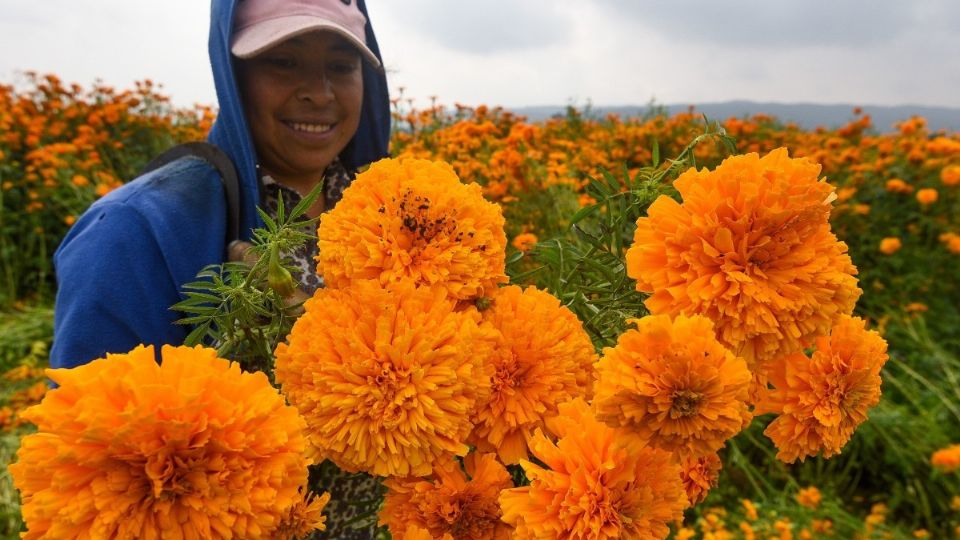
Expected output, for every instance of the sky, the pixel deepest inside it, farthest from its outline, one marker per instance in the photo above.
(542, 52)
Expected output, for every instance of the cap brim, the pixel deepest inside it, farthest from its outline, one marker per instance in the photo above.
(251, 41)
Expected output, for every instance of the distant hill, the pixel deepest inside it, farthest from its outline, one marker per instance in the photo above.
(806, 115)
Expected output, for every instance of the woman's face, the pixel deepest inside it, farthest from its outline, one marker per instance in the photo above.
(302, 101)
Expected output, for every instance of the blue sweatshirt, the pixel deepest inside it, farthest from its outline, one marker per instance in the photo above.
(125, 260)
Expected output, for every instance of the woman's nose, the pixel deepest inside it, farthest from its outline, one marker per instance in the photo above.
(316, 87)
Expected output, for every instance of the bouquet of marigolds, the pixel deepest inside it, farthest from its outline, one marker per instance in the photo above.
(490, 408)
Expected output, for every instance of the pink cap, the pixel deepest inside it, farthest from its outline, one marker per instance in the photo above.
(261, 24)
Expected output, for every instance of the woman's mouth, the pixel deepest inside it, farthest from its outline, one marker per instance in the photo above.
(305, 127)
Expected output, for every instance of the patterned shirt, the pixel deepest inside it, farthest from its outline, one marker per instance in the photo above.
(351, 495)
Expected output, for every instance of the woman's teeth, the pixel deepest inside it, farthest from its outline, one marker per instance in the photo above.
(311, 128)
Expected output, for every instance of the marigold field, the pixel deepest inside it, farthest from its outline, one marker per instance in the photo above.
(587, 327)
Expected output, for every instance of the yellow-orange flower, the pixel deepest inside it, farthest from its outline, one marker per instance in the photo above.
(543, 357)
(450, 502)
(952, 241)
(674, 385)
(822, 399)
(303, 518)
(414, 219)
(750, 248)
(947, 459)
(699, 476)
(597, 483)
(810, 497)
(890, 245)
(191, 448)
(896, 185)
(386, 378)
(927, 196)
(524, 241)
(950, 175)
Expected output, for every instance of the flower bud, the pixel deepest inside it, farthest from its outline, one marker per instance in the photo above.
(279, 278)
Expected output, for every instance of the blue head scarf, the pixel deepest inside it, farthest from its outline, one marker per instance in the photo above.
(230, 130)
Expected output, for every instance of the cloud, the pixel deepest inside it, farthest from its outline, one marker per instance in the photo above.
(776, 24)
(480, 28)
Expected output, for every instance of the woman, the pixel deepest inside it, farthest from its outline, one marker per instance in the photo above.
(302, 97)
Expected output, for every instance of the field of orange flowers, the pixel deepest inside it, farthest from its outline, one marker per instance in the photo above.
(669, 383)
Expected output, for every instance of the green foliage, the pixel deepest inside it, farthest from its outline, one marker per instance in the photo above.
(243, 309)
(586, 267)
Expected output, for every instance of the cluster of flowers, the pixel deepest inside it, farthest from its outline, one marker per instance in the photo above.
(62, 147)
(28, 389)
(419, 363)
(898, 191)
(751, 249)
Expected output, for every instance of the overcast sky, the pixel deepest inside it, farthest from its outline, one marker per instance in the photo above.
(543, 52)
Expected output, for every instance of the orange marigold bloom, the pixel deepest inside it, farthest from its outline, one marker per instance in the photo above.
(192, 448)
(543, 357)
(927, 196)
(950, 175)
(890, 245)
(414, 219)
(386, 378)
(450, 503)
(751, 248)
(699, 476)
(673, 384)
(822, 399)
(952, 241)
(524, 241)
(810, 497)
(597, 483)
(304, 517)
(947, 459)
(896, 185)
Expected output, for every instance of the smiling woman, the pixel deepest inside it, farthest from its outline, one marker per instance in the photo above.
(302, 100)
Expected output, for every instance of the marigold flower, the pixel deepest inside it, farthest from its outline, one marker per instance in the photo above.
(822, 399)
(450, 503)
(916, 307)
(304, 517)
(927, 196)
(810, 497)
(890, 245)
(192, 448)
(414, 219)
(750, 510)
(543, 357)
(524, 241)
(674, 385)
(386, 378)
(947, 459)
(598, 482)
(896, 185)
(699, 476)
(952, 241)
(751, 248)
(950, 175)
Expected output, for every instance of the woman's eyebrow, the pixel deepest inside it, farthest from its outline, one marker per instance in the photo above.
(343, 46)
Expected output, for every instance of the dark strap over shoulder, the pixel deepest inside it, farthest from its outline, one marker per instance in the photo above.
(220, 161)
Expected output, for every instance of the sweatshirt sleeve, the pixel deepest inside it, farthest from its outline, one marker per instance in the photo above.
(114, 288)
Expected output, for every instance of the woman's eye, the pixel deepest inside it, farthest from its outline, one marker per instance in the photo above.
(281, 62)
(344, 68)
